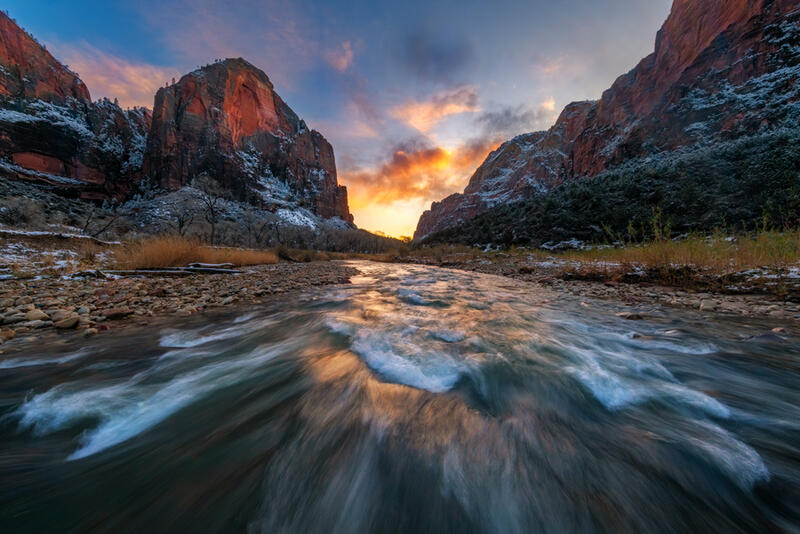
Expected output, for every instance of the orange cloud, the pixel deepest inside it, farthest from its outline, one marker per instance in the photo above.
(424, 115)
(428, 173)
(549, 105)
(340, 58)
(391, 196)
(550, 66)
(106, 75)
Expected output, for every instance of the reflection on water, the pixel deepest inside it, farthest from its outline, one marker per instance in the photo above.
(414, 400)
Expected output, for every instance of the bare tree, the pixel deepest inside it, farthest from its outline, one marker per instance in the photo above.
(210, 196)
(96, 223)
(183, 216)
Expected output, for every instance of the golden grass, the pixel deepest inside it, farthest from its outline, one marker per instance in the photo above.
(718, 253)
(173, 251)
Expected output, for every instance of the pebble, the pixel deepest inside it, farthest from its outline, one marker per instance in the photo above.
(67, 323)
(631, 316)
(36, 315)
(117, 313)
(5, 335)
(90, 302)
(708, 305)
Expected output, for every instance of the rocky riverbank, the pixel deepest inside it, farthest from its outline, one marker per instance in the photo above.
(565, 279)
(87, 306)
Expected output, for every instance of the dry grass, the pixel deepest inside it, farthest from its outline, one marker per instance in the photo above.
(717, 253)
(173, 251)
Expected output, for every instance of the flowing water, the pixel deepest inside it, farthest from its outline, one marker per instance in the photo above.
(413, 400)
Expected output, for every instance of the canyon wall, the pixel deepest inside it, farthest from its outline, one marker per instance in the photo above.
(721, 69)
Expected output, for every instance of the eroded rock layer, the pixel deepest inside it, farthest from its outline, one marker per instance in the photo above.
(225, 120)
(721, 69)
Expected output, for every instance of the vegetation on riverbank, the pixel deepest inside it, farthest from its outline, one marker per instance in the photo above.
(718, 252)
(741, 185)
(175, 251)
(765, 262)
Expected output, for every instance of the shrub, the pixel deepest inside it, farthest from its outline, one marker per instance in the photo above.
(174, 251)
(740, 185)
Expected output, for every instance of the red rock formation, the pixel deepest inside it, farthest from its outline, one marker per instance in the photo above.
(226, 120)
(721, 68)
(28, 70)
(51, 132)
(520, 167)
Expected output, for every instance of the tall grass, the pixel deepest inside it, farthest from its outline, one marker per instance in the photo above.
(718, 252)
(173, 251)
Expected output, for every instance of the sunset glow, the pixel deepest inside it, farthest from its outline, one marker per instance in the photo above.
(411, 108)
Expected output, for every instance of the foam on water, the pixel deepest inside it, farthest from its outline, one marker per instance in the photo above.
(195, 338)
(129, 408)
(518, 399)
(408, 363)
(13, 363)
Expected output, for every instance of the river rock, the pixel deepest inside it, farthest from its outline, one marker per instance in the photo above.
(14, 318)
(708, 305)
(67, 323)
(117, 313)
(36, 315)
(630, 316)
(59, 315)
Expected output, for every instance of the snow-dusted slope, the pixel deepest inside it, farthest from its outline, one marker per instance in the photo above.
(721, 69)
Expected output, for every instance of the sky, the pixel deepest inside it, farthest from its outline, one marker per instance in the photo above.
(413, 95)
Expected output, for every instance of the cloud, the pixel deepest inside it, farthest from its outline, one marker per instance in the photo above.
(106, 75)
(434, 58)
(416, 170)
(277, 36)
(340, 58)
(510, 121)
(550, 66)
(424, 115)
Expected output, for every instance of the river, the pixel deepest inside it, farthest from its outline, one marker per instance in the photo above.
(415, 399)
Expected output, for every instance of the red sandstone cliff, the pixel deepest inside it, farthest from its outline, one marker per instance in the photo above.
(720, 69)
(224, 120)
(51, 132)
(29, 71)
(227, 121)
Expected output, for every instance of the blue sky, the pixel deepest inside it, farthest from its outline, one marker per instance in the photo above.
(412, 95)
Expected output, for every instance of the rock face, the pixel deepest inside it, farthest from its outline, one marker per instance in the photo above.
(52, 133)
(29, 71)
(519, 168)
(226, 120)
(720, 69)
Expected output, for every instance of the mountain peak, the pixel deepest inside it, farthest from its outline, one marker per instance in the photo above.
(226, 119)
(28, 70)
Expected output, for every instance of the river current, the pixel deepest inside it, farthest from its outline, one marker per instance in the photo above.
(415, 399)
